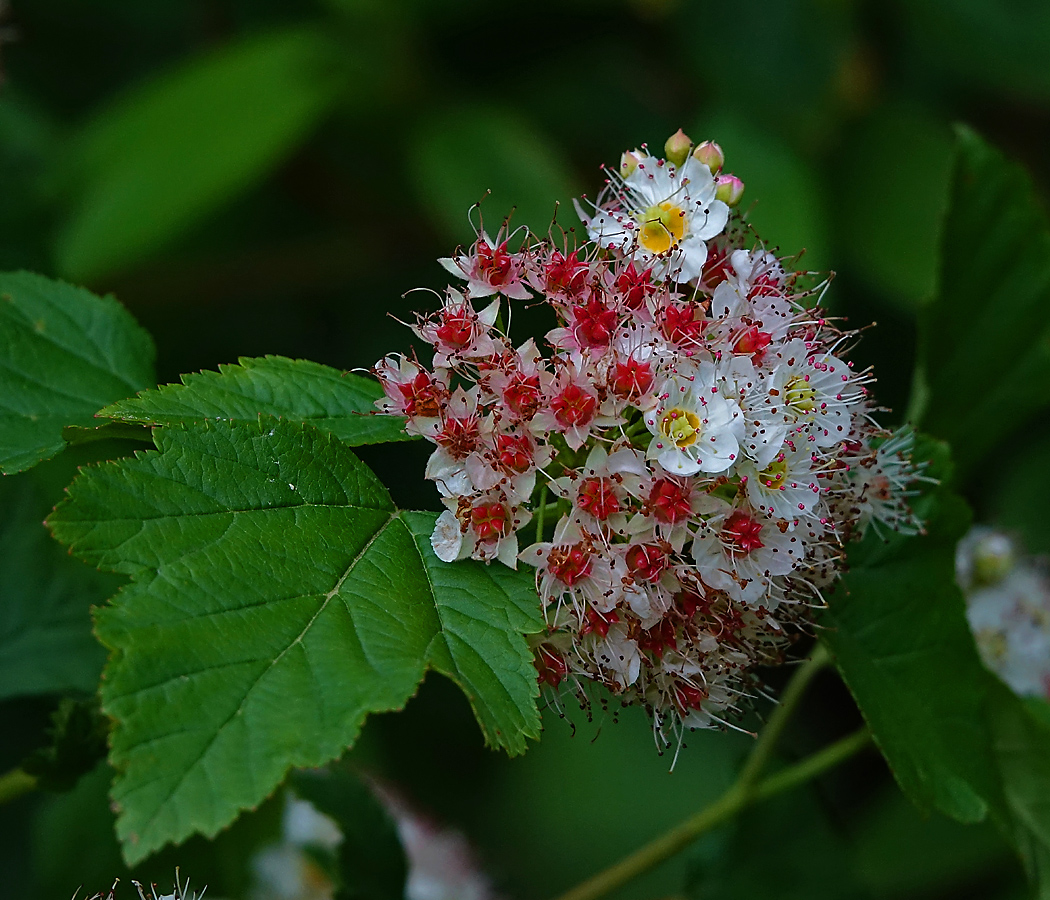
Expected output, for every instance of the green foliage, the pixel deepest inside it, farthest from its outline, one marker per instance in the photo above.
(277, 598)
(66, 354)
(803, 856)
(77, 743)
(298, 390)
(891, 217)
(370, 864)
(986, 340)
(897, 628)
(1022, 748)
(173, 150)
(46, 646)
(460, 154)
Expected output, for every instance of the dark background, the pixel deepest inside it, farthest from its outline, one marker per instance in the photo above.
(273, 177)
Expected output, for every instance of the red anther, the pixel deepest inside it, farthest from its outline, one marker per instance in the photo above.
(646, 561)
(659, 638)
(490, 522)
(597, 497)
(422, 396)
(687, 696)
(574, 406)
(494, 263)
(514, 453)
(669, 501)
(741, 533)
(682, 323)
(550, 665)
(597, 622)
(632, 379)
(634, 286)
(593, 322)
(459, 436)
(565, 274)
(753, 343)
(570, 564)
(456, 329)
(523, 396)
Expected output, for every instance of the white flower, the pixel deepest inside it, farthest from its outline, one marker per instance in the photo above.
(695, 427)
(661, 215)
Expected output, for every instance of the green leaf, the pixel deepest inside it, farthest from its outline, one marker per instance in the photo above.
(897, 628)
(985, 338)
(46, 645)
(370, 862)
(277, 598)
(459, 154)
(64, 354)
(173, 150)
(1022, 748)
(302, 391)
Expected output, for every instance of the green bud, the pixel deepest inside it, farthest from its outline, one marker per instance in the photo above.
(629, 162)
(711, 155)
(677, 148)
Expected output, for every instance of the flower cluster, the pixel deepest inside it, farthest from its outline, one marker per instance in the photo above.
(1008, 606)
(690, 450)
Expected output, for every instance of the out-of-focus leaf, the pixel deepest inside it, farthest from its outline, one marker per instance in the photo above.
(370, 860)
(899, 852)
(783, 199)
(46, 645)
(277, 598)
(459, 154)
(893, 193)
(77, 744)
(297, 390)
(898, 632)
(159, 159)
(1022, 748)
(986, 42)
(802, 47)
(802, 856)
(986, 335)
(64, 354)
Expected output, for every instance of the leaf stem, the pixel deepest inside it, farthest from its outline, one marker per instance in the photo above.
(541, 512)
(14, 784)
(746, 790)
(732, 802)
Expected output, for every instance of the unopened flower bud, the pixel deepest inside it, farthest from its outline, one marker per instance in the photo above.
(993, 558)
(711, 155)
(677, 147)
(729, 189)
(629, 162)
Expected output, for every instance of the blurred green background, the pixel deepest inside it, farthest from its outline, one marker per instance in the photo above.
(274, 177)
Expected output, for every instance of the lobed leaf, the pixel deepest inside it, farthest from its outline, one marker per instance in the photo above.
(898, 632)
(64, 354)
(339, 402)
(277, 598)
(985, 341)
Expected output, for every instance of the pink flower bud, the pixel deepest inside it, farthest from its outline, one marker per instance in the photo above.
(677, 147)
(711, 155)
(729, 189)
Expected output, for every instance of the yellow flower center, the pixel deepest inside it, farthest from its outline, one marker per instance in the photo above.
(681, 426)
(662, 227)
(773, 475)
(799, 395)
